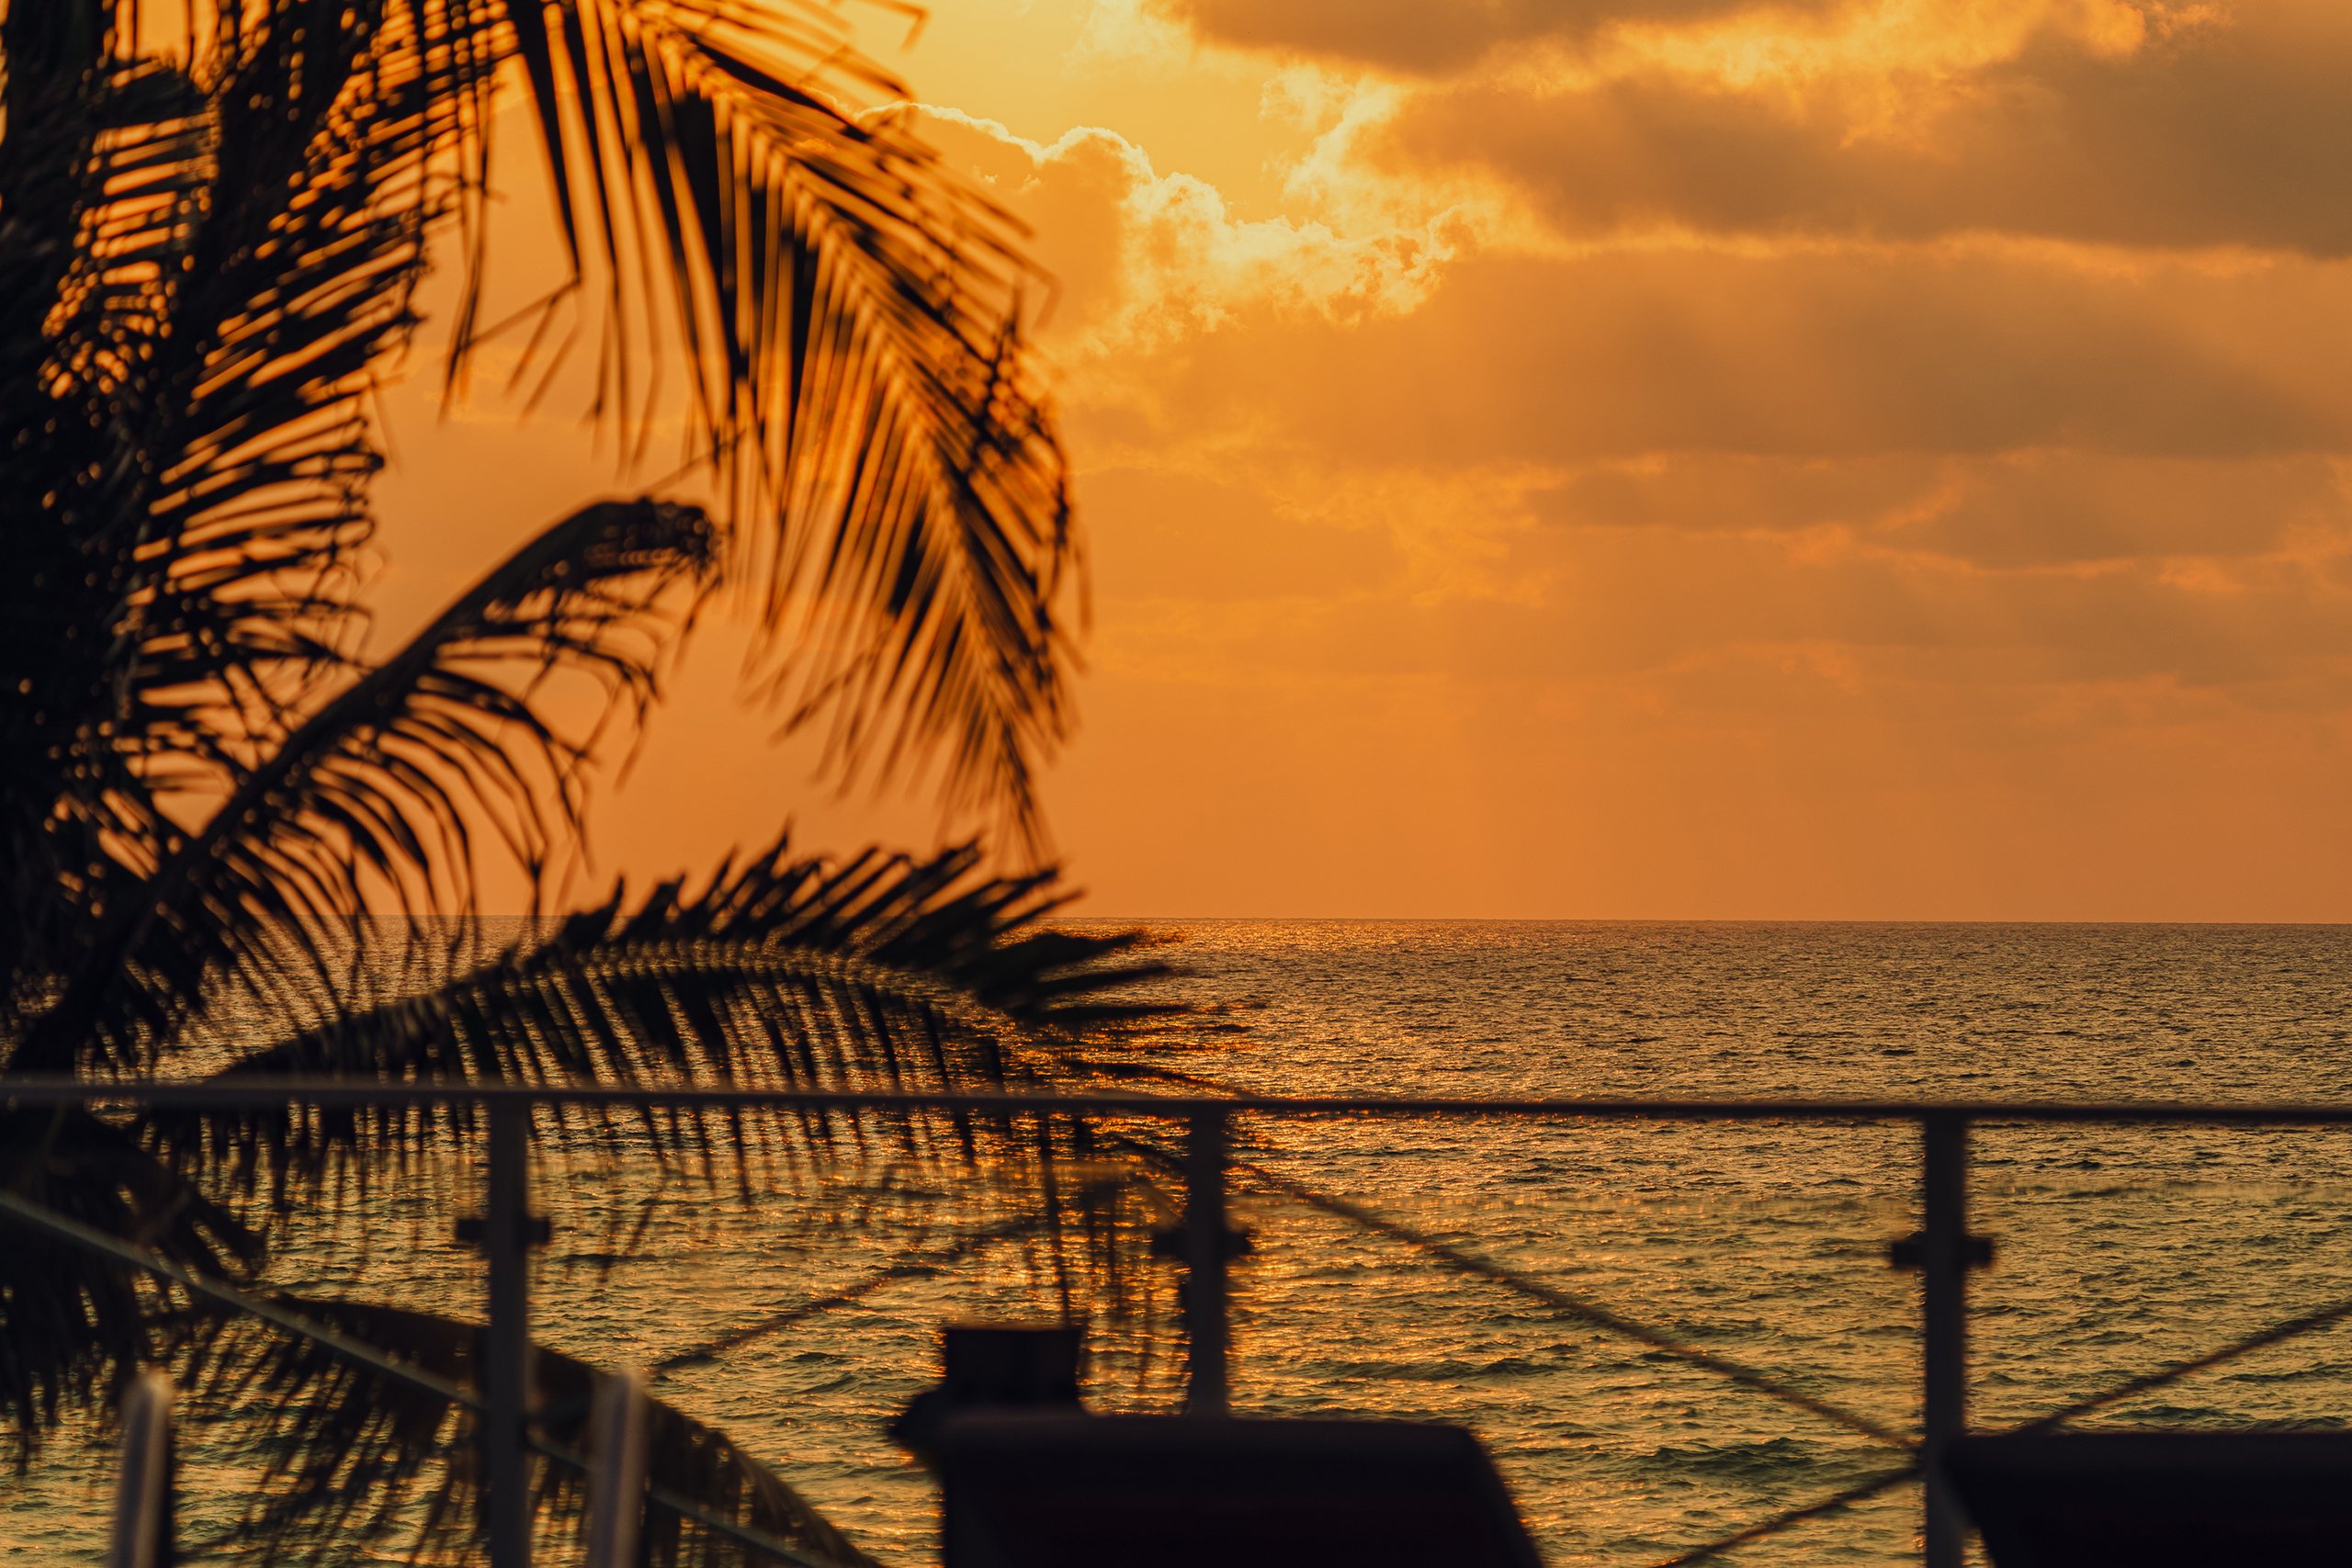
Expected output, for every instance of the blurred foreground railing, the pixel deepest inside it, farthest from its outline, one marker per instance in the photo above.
(1943, 1250)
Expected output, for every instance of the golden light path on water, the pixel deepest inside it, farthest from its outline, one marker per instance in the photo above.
(2119, 1248)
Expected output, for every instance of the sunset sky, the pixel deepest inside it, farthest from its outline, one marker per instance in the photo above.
(1637, 459)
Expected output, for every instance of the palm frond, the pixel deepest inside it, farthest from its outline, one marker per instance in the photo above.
(220, 250)
(357, 1463)
(849, 317)
(70, 805)
(241, 236)
(57, 57)
(75, 1324)
(320, 194)
(394, 777)
(206, 259)
(879, 972)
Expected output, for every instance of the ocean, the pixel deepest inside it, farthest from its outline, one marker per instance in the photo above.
(2118, 1249)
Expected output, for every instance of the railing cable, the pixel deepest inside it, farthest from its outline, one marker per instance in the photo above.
(1552, 1296)
(921, 1264)
(1576, 1307)
(702, 1514)
(367, 1356)
(2309, 1323)
(1835, 1503)
(62, 1092)
(278, 1317)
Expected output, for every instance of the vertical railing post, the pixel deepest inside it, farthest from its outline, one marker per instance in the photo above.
(1207, 1247)
(1945, 1256)
(617, 1424)
(142, 1495)
(506, 1373)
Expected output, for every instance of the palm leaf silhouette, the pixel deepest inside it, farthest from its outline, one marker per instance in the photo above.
(352, 1458)
(214, 219)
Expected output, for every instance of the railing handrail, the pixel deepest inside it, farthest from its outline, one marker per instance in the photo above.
(344, 1092)
(1944, 1250)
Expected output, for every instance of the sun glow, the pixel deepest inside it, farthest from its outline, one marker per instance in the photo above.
(1689, 379)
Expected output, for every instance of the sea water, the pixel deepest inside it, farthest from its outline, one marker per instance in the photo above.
(2119, 1249)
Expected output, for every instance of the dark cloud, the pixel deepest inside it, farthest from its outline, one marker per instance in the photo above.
(1715, 493)
(1823, 355)
(1427, 36)
(2226, 134)
(2028, 511)
(1645, 606)
(2072, 508)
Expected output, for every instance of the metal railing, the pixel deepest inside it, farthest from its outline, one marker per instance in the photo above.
(1943, 1250)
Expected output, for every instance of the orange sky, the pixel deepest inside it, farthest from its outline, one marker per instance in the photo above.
(1638, 457)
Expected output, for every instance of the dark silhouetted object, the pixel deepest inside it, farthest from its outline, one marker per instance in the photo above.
(2159, 1499)
(996, 1366)
(1010, 1364)
(1040, 1489)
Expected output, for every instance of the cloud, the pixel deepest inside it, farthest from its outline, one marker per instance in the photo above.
(1144, 257)
(2189, 123)
(2059, 510)
(2211, 137)
(1856, 459)
(1624, 353)
(2030, 511)
(1684, 475)
(1874, 415)
(1653, 616)
(2161, 123)
(1416, 36)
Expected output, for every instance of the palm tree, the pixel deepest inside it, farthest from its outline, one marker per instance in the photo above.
(213, 225)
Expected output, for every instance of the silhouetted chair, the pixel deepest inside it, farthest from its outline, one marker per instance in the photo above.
(2159, 1499)
(1042, 1489)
